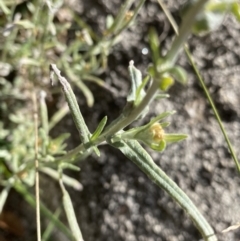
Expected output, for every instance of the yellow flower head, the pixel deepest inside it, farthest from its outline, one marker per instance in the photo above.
(153, 134)
(157, 132)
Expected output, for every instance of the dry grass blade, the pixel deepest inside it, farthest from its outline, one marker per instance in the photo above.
(231, 228)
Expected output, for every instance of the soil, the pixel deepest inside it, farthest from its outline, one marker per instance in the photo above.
(118, 202)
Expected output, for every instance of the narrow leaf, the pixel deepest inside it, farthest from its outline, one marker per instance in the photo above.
(71, 217)
(67, 165)
(162, 96)
(58, 116)
(44, 112)
(44, 122)
(171, 138)
(140, 93)
(73, 106)
(160, 117)
(4, 8)
(135, 152)
(50, 226)
(136, 81)
(236, 10)
(165, 124)
(25, 24)
(154, 44)
(179, 74)
(99, 129)
(3, 197)
(86, 91)
(109, 21)
(66, 179)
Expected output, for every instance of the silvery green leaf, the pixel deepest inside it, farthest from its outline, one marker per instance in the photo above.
(162, 96)
(171, 138)
(165, 124)
(73, 106)
(159, 117)
(140, 93)
(3, 196)
(44, 122)
(43, 111)
(66, 179)
(179, 74)
(135, 152)
(25, 24)
(71, 217)
(109, 21)
(4, 8)
(154, 44)
(85, 90)
(5, 69)
(67, 165)
(99, 129)
(136, 81)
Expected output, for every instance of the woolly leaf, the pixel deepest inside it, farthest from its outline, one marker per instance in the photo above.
(136, 81)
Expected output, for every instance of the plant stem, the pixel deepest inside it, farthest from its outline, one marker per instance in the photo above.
(214, 109)
(184, 31)
(35, 116)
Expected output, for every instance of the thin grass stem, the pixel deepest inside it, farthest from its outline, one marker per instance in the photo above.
(215, 111)
(231, 149)
(35, 116)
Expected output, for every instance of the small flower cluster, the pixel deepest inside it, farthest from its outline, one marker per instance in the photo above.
(153, 134)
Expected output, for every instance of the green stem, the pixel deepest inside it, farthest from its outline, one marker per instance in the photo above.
(214, 109)
(184, 31)
(38, 216)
